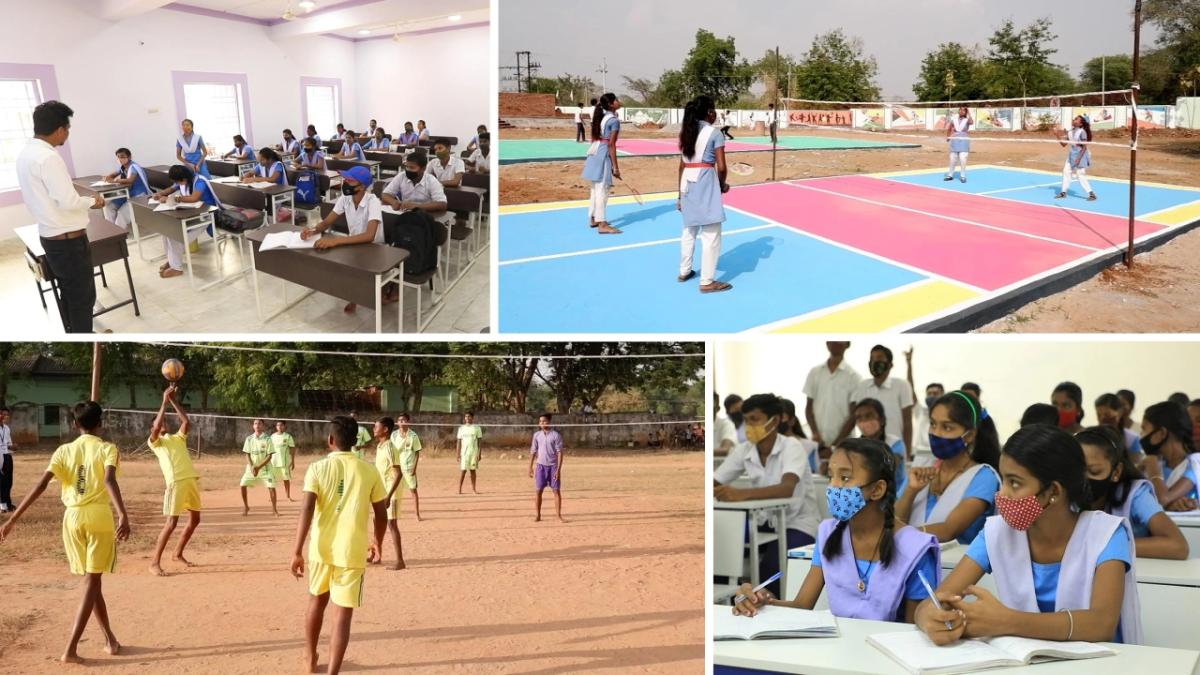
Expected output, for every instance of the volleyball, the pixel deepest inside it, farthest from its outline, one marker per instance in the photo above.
(172, 369)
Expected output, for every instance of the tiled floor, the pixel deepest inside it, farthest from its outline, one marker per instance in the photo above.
(172, 306)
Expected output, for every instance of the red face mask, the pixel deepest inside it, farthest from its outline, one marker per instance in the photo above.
(1067, 419)
(1018, 514)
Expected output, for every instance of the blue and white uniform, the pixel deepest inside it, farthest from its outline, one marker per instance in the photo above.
(380, 144)
(291, 147)
(174, 249)
(265, 171)
(191, 147)
(960, 145)
(245, 152)
(700, 204)
(1077, 154)
(597, 168)
(118, 210)
(352, 152)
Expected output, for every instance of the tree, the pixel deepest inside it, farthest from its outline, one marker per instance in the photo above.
(1019, 62)
(409, 374)
(950, 72)
(645, 89)
(1107, 72)
(712, 68)
(673, 90)
(835, 69)
(498, 383)
(775, 74)
(1178, 23)
(10, 351)
(568, 89)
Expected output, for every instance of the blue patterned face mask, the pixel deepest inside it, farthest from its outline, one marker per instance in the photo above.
(844, 502)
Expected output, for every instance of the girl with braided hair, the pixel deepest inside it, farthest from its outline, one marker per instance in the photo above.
(870, 568)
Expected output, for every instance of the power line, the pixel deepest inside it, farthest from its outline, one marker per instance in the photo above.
(275, 350)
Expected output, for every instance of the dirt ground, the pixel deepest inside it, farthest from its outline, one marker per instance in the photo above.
(1157, 296)
(619, 587)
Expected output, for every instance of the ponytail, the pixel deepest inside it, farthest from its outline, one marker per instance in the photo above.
(598, 114)
(695, 112)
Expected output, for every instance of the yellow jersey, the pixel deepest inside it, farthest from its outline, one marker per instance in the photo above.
(79, 466)
(173, 458)
(346, 488)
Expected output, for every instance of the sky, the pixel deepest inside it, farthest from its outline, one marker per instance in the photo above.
(642, 38)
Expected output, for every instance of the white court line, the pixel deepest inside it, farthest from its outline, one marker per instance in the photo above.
(1014, 189)
(944, 217)
(624, 247)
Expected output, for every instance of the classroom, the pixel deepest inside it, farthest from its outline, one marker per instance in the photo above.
(1007, 436)
(230, 90)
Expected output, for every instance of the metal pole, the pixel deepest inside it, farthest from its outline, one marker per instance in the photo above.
(1133, 130)
(96, 354)
(1103, 77)
(775, 116)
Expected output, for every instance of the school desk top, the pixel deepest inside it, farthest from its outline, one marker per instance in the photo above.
(236, 161)
(104, 238)
(753, 504)
(85, 182)
(338, 271)
(1149, 570)
(849, 654)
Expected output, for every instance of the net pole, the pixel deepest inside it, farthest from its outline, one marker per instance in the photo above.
(775, 116)
(96, 355)
(1133, 130)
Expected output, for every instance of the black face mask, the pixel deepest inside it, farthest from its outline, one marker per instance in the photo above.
(878, 368)
(348, 189)
(736, 418)
(1101, 488)
(1152, 448)
(414, 176)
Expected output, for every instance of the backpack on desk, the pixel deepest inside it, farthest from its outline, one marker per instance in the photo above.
(237, 220)
(413, 232)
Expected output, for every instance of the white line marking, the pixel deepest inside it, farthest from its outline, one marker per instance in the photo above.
(623, 247)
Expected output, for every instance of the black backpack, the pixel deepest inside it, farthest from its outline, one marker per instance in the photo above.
(413, 231)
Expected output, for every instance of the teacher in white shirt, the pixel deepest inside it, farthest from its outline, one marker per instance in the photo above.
(60, 212)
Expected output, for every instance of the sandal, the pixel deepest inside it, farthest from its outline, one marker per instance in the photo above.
(1061, 195)
(686, 277)
(716, 287)
(605, 228)
(1092, 197)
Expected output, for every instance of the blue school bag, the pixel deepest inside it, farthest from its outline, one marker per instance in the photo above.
(306, 190)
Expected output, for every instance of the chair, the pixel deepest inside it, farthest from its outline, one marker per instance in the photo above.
(464, 205)
(242, 198)
(419, 281)
(729, 531)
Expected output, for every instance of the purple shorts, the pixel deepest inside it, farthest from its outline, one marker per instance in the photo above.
(543, 476)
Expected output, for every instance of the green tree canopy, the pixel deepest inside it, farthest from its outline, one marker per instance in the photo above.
(1106, 72)
(835, 69)
(1018, 62)
(950, 72)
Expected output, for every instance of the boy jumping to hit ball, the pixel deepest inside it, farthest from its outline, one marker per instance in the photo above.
(86, 468)
(340, 492)
(183, 489)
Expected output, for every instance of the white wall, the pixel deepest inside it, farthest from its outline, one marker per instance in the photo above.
(1012, 372)
(443, 78)
(117, 77)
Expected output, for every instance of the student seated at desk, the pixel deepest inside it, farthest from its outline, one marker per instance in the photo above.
(341, 133)
(379, 141)
(952, 499)
(190, 149)
(241, 149)
(1118, 488)
(474, 142)
(871, 420)
(1167, 434)
(1062, 571)
(445, 167)
(131, 175)
(409, 137)
(364, 215)
(422, 131)
(1109, 411)
(312, 133)
(371, 126)
(479, 160)
(268, 169)
(778, 468)
(351, 149)
(290, 145)
(416, 188)
(191, 188)
(311, 157)
(868, 567)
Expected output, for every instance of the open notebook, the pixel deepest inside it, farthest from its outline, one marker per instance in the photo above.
(282, 240)
(917, 654)
(1183, 514)
(773, 623)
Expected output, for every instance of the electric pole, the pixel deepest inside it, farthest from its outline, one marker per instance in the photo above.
(603, 70)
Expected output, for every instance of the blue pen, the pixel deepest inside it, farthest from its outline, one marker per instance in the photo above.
(759, 587)
(932, 597)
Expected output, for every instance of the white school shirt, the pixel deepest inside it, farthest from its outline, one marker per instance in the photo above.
(723, 430)
(357, 218)
(423, 134)
(894, 394)
(428, 189)
(454, 166)
(578, 117)
(787, 456)
(482, 164)
(48, 192)
(830, 393)
(5, 440)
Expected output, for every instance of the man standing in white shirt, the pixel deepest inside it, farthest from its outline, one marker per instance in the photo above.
(828, 388)
(6, 462)
(777, 467)
(580, 137)
(773, 123)
(895, 394)
(923, 456)
(60, 212)
(724, 435)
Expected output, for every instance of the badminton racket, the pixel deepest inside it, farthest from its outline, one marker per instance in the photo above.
(741, 168)
(637, 196)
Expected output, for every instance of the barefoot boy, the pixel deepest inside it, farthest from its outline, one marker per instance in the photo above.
(284, 459)
(340, 492)
(408, 444)
(259, 450)
(86, 468)
(387, 462)
(183, 489)
(469, 435)
(546, 455)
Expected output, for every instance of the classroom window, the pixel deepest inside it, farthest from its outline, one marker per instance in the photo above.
(218, 111)
(323, 113)
(18, 98)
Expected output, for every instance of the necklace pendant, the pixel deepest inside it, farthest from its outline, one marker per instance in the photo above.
(862, 587)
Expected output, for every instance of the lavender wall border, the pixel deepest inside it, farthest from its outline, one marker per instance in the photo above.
(182, 77)
(44, 73)
(318, 82)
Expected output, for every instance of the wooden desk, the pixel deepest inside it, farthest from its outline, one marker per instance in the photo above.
(83, 185)
(269, 199)
(341, 164)
(178, 225)
(230, 167)
(356, 273)
(107, 244)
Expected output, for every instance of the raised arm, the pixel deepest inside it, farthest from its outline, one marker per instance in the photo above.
(185, 424)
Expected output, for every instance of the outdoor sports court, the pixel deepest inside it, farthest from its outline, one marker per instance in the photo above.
(859, 253)
(554, 149)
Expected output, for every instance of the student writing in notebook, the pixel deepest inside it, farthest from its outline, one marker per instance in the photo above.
(241, 149)
(191, 188)
(1062, 572)
(311, 157)
(951, 499)
(864, 559)
(1117, 487)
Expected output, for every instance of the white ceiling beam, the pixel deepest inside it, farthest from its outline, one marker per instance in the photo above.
(117, 10)
(375, 14)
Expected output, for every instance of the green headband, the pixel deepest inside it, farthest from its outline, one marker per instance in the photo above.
(974, 415)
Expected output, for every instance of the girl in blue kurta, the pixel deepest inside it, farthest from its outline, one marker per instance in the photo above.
(1079, 158)
(600, 167)
(191, 188)
(129, 174)
(702, 175)
(190, 150)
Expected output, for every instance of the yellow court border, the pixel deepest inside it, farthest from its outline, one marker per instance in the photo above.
(885, 311)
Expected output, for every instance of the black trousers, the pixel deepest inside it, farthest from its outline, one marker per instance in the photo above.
(579, 135)
(725, 130)
(6, 480)
(71, 262)
(774, 132)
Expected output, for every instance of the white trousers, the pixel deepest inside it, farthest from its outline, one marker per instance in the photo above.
(710, 241)
(959, 158)
(1080, 173)
(598, 203)
(122, 217)
(174, 250)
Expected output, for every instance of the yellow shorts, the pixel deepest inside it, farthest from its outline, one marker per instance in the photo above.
(283, 473)
(265, 477)
(343, 584)
(89, 537)
(470, 461)
(393, 507)
(410, 480)
(182, 496)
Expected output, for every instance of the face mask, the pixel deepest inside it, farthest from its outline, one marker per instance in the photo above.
(310, 151)
(844, 502)
(878, 368)
(1100, 488)
(756, 433)
(1067, 419)
(736, 418)
(929, 401)
(1152, 448)
(443, 154)
(348, 189)
(945, 448)
(1018, 514)
(412, 175)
